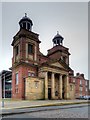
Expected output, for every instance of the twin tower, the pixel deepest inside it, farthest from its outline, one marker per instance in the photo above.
(28, 61)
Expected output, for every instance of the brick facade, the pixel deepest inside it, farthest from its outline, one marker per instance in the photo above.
(81, 85)
(28, 61)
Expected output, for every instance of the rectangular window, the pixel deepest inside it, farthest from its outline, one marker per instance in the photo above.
(80, 82)
(86, 89)
(30, 49)
(74, 80)
(16, 79)
(71, 88)
(17, 50)
(24, 25)
(28, 26)
(86, 82)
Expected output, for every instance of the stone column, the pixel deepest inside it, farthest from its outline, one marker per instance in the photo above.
(67, 87)
(46, 85)
(60, 86)
(53, 86)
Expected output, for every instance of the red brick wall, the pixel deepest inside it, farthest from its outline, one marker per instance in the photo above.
(22, 72)
(78, 85)
(56, 55)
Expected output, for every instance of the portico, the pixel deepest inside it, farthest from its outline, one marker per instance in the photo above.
(56, 84)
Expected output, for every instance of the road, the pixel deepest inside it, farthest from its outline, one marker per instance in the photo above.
(66, 111)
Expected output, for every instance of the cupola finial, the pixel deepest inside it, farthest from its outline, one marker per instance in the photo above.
(58, 39)
(25, 14)
(26, 23)
(57, 32)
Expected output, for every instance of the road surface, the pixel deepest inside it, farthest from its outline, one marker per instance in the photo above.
(66, 111)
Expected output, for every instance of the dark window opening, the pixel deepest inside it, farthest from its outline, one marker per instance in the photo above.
(64, 58)
(17, 50)
(28, 26)
(24, 25)
(58, 42)
(30, 49)
(20, 25)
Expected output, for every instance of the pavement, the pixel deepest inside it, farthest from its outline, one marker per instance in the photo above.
(10, 105)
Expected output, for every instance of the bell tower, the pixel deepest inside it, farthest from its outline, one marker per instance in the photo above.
(58, 39)
(58, 51)
(25, 56)
(26, 23)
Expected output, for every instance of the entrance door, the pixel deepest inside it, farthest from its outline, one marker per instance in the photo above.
(49, 93)
(62, 95)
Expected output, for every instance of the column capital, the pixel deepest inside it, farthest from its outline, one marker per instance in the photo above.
(61, 74)
(53, 72)
(67, 74)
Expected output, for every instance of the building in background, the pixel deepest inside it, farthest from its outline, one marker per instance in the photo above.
(81, 85)
(5, 84)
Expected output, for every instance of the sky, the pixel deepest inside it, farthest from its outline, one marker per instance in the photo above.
(69, 18)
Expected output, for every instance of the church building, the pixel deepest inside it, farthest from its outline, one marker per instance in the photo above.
(38, 76)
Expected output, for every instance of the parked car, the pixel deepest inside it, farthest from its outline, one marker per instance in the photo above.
(86, 97)
(80, 98)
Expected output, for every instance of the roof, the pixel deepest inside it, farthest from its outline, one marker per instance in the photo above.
(58, 36)
(25, 33)
(25, 18)
(58, 48)
(50, 61)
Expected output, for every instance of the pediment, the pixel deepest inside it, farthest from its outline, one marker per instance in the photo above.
(57, 64)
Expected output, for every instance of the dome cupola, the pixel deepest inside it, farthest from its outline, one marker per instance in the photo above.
(26, 23)
(58, 39)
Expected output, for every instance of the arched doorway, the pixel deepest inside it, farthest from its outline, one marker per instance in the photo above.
(49, 93)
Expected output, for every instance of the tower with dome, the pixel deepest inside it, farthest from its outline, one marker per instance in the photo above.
(35, 75)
